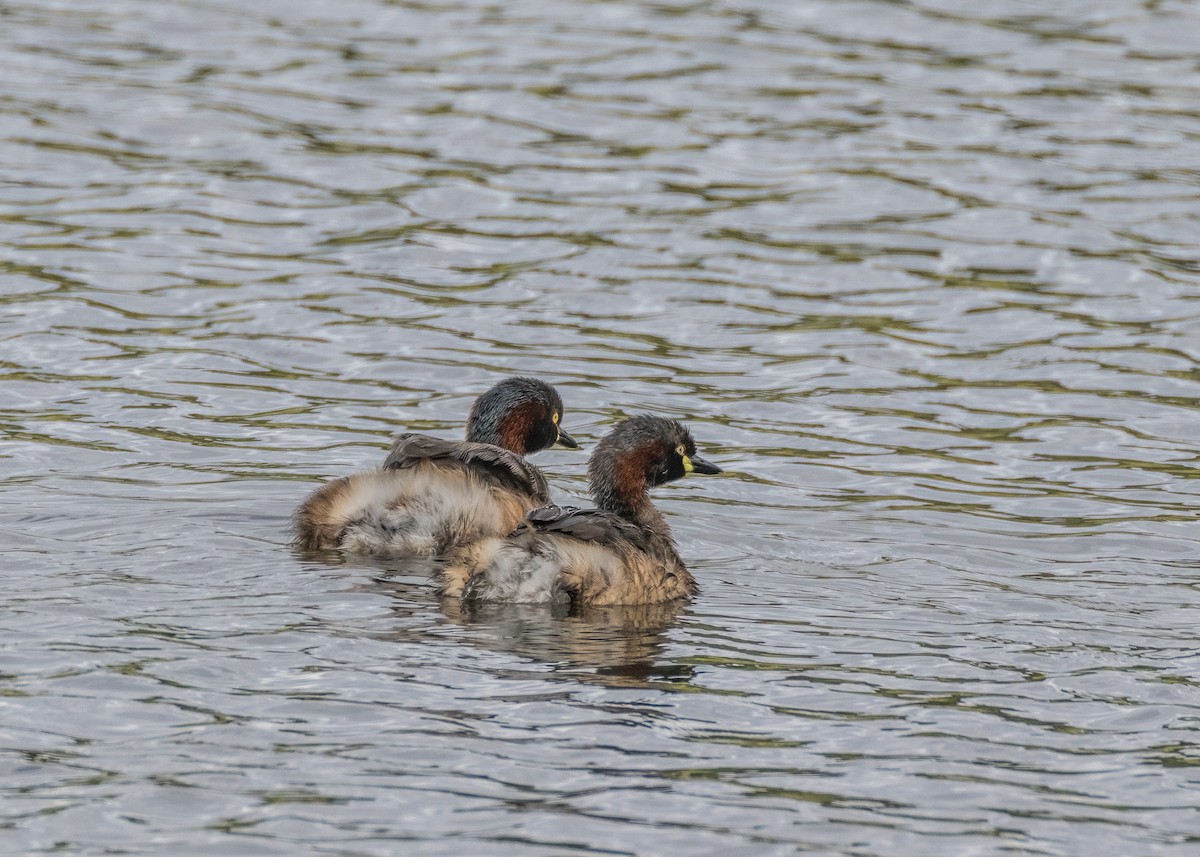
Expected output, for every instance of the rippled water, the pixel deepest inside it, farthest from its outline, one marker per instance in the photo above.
(921, 275)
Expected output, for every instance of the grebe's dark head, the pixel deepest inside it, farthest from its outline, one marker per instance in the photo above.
(522, 415)
(638, 454)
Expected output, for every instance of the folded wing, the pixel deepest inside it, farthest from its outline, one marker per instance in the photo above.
(497, 466)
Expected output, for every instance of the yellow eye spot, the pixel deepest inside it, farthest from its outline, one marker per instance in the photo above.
(687, 465)
(554, 418)
(681, 451)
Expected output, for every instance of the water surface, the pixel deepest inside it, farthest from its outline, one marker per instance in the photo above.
(921, 277)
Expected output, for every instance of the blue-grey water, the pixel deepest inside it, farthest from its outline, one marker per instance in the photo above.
(923, 276)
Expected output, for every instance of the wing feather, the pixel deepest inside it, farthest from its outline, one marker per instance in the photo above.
(588, 525)
(493, 464)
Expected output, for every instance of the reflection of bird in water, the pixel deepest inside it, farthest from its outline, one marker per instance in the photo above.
(432, 495)
(614, 646)
(620, 553)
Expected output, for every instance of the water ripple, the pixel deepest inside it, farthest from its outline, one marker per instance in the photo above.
(921, 278)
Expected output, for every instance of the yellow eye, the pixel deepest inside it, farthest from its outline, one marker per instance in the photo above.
(681, 451)
(554, 418)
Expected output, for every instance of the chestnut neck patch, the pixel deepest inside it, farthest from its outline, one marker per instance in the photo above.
(628, 476)
(517, 426)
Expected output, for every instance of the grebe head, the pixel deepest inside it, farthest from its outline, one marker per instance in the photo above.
(522, 415)
(638, 454)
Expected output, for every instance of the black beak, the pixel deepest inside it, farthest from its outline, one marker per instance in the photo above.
(706, 468)
(566, 440)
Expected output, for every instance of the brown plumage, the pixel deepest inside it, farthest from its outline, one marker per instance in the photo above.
(433, 495)
(619, 553)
